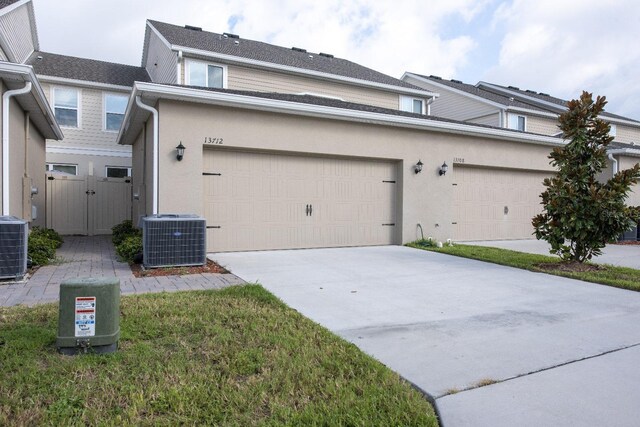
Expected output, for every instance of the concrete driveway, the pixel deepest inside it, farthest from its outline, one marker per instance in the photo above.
(558, 351)
(620, 255)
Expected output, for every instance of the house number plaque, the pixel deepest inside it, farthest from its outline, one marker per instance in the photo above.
(210, 140)
(458, 160)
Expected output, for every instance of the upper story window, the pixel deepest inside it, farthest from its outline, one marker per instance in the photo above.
(613, 130)
(206, 75)
(114, 107)
(412, 105)
(66, 104)
(517, 122)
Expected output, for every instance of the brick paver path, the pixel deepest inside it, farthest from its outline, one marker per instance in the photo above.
(95, 257)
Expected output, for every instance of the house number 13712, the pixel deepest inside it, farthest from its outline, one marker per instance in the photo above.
(209, 140)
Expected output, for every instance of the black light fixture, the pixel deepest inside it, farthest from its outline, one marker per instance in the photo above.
(180, 151)
(443, 169)
(418, 167)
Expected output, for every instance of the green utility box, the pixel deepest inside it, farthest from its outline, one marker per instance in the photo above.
(89, 315)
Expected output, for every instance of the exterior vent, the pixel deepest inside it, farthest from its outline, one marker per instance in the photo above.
(13, 247)
(192, 28)
(173, 240)
(456, 81)
(435, 77)
(326, 55)
(544, 94)
(298, 49)
(531, 91)
(231, 36)
(514, 88)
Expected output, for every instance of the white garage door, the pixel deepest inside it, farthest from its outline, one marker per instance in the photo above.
(495, 204)
(255, 201)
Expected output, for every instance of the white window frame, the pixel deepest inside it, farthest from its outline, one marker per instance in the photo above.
(104, 109)
(516, 116)
(79, 101)
(106, 170)
(187, 71)
(51, 165)
(613, 131)
(412, 98)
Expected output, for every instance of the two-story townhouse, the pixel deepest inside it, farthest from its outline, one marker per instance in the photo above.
(285, 148)
(527, 111)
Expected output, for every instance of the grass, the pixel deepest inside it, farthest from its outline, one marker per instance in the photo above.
(619, 277)
(237, 356)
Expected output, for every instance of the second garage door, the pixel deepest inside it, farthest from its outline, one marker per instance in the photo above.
(495, 204)
(256, 201)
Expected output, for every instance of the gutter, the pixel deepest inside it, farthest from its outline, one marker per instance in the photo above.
(141, 89)
(156, 154)
(625, 151)
(614, 164)
(6, 98)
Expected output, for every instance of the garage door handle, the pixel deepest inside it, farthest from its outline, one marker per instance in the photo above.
(310, 210)
(307, 211)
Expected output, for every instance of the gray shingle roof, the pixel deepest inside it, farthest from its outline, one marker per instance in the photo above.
(265, 52)
(70, 67)
(5, 3)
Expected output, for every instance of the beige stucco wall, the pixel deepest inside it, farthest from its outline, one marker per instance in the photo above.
(627, 162)
(36, 162)
(426, 198)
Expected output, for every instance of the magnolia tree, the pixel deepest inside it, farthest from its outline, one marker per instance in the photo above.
(581, 215)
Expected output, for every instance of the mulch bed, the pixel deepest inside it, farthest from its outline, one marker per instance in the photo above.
(570, 267)
(211, 267)
(627, 242)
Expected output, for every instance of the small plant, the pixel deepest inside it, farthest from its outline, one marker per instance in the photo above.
(41, 249)
(123, 230)
(49, 233)
(485, 382)
(425, 243)
(129, 247)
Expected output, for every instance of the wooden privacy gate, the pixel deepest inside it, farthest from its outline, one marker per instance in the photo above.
(87, 205)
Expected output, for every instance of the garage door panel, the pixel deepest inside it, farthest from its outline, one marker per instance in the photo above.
(480, 198)
(259, 201)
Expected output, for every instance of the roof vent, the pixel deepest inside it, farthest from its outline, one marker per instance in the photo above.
(514, 88)
(310, 56)
(192, 28)
(435, 77)
(456, 81)
(39, 57)
(231, 36)
(298, 49)
(326, 55)
(531, 91)
(236, 42)
(544, 94)
(512, 99)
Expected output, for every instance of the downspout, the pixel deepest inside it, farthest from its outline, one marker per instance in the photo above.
(6, 98)
(429, 102)
(614, 164)
(179, 69)
(156, 155)
(27, 139)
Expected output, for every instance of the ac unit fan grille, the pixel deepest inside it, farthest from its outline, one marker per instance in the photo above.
(174, 241)
(13, 247)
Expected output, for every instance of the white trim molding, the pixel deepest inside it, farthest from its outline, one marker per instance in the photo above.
(58, 149)
(82, 83)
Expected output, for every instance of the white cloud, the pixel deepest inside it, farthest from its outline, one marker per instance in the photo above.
(563, 47)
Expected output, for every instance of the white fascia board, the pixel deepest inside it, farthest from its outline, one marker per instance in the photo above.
(27, 73)
(288, 107)
(82, 83)
(86, 151)
(454, 90)
(632, 152)
(301, 71)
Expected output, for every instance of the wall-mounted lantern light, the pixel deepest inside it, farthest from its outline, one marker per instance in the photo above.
(180, 151)
(418, 167)
(443, 169)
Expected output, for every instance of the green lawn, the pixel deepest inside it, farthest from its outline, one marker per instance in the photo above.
(620, 277)
(237, 356)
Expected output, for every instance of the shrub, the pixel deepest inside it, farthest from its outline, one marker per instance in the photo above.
(49, 233)
(123, 230)
(41, 249)
(129, 247)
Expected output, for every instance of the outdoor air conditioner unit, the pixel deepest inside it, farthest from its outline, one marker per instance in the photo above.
(14, 234)
(173, 240)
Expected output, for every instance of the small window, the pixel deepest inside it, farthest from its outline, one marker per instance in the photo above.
(206, 75)
(62, 167)
(613, 130)
(114, 107)
(118, 172)
(412, 105)
(517, 122)
(65, 105)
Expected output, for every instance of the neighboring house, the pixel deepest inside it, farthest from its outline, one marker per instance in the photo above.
(290, 149)
(527, 111)
(27, 120)
(89, 98)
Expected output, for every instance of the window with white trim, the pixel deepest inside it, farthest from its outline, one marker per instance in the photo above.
(66, 106)
(412, 105)
(205, 74)
(117, 172)
(62, 167)
(114, 107)
(517, 122)
(613, 130)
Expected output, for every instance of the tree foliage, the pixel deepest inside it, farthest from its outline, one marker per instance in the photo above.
(581, 215)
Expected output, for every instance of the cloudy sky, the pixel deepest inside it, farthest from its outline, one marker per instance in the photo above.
(556, 46)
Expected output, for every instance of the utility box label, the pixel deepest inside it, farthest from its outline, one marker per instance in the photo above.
(85, 316)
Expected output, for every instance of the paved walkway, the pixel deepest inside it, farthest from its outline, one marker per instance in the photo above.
(620, 255)
(95, 257)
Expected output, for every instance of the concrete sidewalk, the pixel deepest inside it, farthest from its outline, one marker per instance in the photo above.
(620, 255)
(94, 256)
